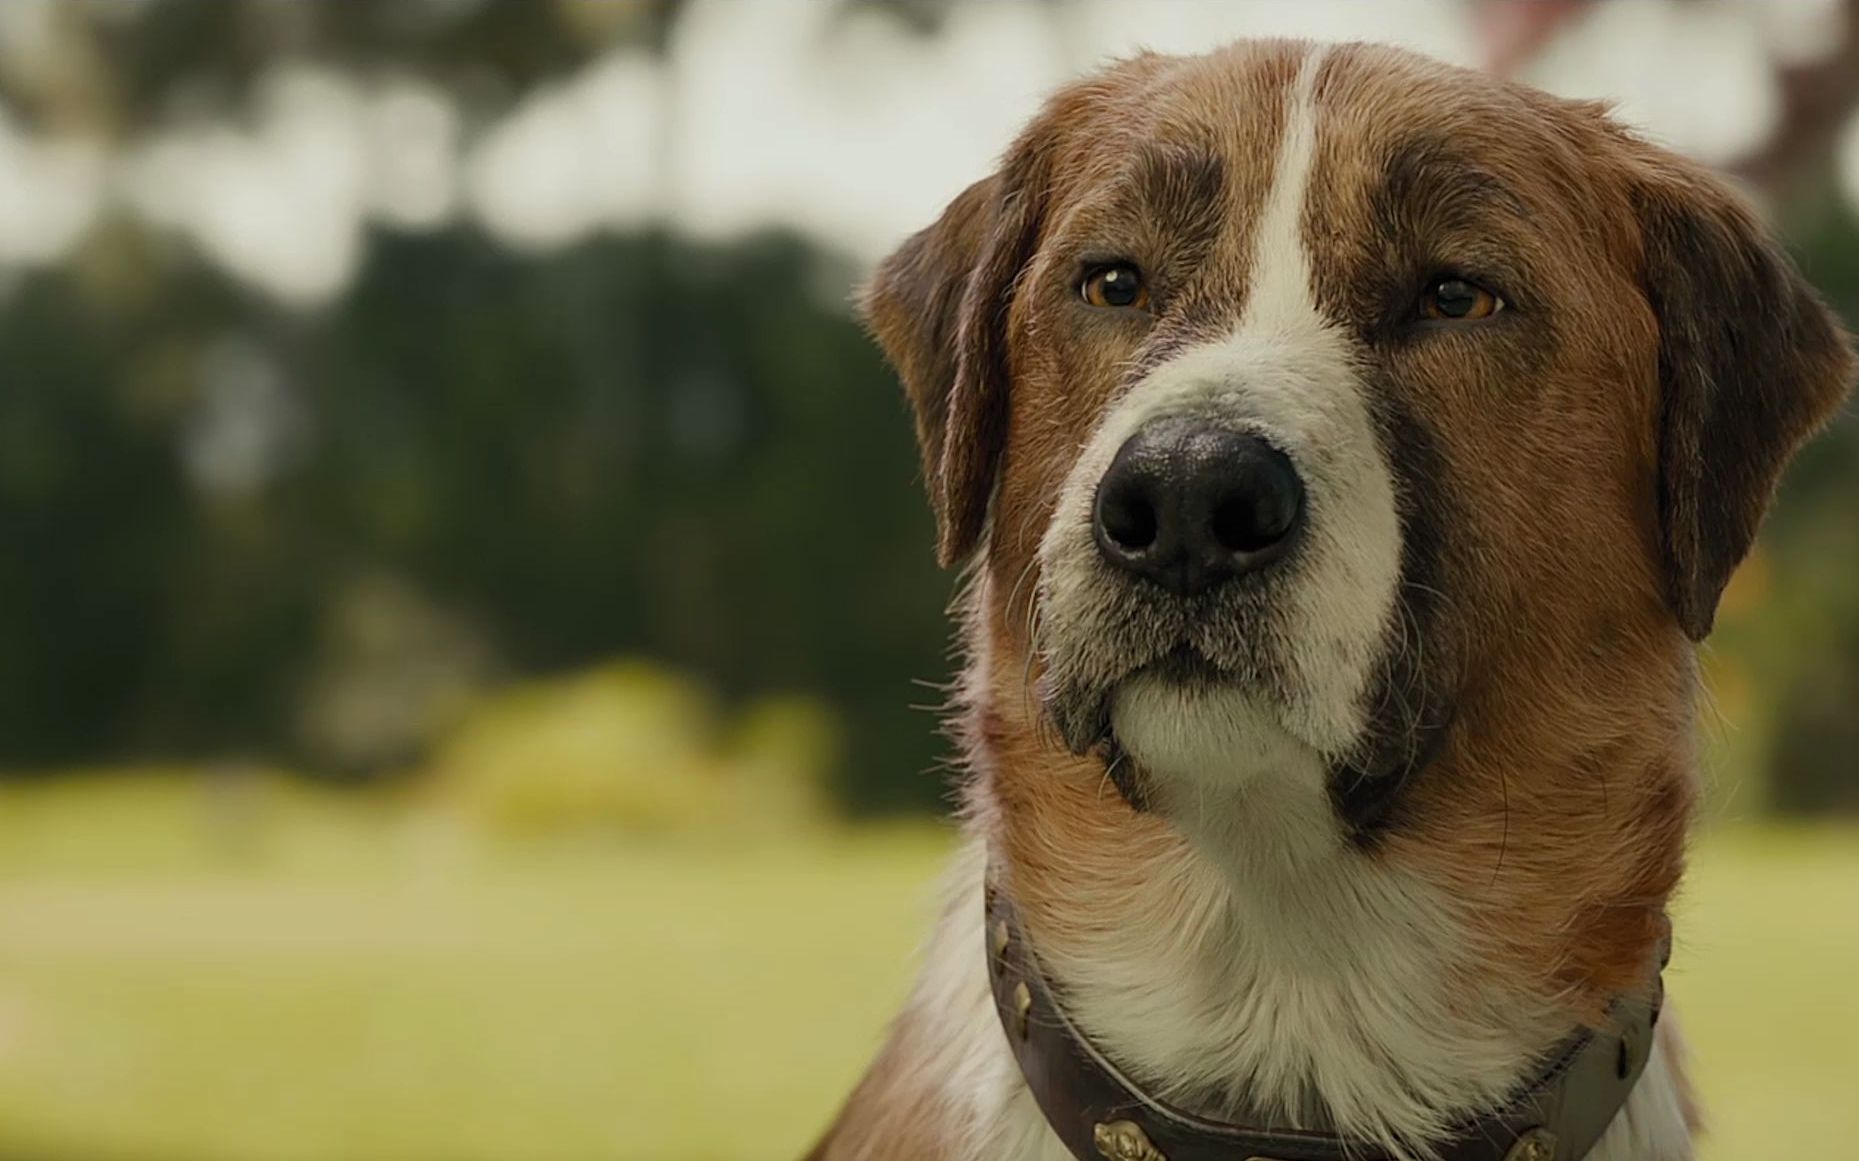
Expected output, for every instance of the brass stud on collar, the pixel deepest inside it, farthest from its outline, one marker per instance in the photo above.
(1535, 1145)
(999, 938)
(1124, 1141)
(1022, 1009)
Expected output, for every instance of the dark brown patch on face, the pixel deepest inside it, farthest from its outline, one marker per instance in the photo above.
(1183, 188)
(1416, 686)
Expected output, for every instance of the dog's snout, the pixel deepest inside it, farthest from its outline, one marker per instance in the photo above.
(1188, 505)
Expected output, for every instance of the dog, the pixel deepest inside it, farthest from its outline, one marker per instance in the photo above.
(1346, 453)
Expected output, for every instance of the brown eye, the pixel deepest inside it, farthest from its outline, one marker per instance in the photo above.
(1456, 300)
(1118, 285)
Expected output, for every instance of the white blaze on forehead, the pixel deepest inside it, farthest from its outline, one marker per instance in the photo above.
(1287, 373)
(1280, 299)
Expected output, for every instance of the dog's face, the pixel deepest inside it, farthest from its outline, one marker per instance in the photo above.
(1327, 411)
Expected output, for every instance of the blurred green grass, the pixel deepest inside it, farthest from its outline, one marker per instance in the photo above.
(375, 983)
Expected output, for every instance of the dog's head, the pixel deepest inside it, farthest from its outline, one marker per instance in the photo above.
(1327, 410)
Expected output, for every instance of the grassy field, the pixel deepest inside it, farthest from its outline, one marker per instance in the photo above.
(373, 990)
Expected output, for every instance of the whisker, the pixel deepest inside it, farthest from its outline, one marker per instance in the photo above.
(1504, 839)
(1109, 777)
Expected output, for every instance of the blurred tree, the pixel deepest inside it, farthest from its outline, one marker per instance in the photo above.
(126, 68)
(727, 488)
(231, 525)
(640, 445)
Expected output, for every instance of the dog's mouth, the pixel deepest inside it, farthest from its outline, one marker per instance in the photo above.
(1083, 718)
(1187, 666)
(1183, 667)
(1365, 783)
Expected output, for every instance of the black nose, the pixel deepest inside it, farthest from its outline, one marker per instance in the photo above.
(1188, 505)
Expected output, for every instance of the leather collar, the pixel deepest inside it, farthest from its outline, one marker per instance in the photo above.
(1102, 1115)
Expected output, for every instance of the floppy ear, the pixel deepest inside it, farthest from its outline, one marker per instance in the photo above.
(938, 307)
(1751, 363)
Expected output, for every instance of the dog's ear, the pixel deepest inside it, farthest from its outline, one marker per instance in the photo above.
(1751, 363)
(938, 307)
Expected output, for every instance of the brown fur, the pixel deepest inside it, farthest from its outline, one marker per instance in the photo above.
(1607, 448)
(891, 1115)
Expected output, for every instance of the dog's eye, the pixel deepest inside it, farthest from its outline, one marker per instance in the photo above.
(1118, 284)
(1457, 300)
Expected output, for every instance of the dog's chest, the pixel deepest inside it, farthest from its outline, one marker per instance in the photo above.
(1243, 1012)
(1341, 996)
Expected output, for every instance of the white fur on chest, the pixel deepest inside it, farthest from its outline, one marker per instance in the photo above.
(1281, 1043)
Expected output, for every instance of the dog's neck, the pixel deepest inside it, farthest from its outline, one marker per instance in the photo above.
(1237, 953)
(1287, 986)
(1292, 1057)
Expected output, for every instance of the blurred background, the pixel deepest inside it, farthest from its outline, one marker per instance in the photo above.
(441, 714)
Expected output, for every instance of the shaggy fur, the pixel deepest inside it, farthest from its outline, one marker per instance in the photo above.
(1418, 812)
